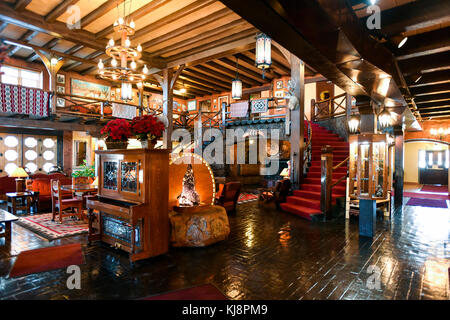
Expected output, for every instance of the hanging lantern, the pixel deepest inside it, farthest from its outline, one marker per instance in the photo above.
(263, 52)
(236, 89)
(353, 123)
(126, 91)
(385, 118)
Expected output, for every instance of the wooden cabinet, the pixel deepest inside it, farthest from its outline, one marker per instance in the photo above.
(369, 161)
(131, 212)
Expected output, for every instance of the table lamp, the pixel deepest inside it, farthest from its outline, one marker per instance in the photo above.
(285, 173)
(20, 175)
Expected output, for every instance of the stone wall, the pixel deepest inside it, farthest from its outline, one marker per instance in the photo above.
(338, 125)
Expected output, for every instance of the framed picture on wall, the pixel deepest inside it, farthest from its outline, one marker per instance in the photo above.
(60, 78)
(279, 84)
(60, 102)
(60, 89)
(90, 89)
(279, 94)
(192, 105)
(205, 105)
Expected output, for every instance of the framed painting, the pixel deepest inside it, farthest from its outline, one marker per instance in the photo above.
(60, 102)
(205, 105)
(279, 84)
(192, 105)
(90, 89)
(60, 78)
(60, 89)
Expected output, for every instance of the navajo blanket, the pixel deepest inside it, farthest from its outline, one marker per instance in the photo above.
(260, 105)
(23, 100)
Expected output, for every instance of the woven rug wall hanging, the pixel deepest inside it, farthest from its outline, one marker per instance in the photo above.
(23, 100)
(260, 105)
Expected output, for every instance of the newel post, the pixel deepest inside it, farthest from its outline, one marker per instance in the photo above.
(326, 161)
(313, 110)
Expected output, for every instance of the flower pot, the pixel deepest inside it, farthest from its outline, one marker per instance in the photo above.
(116, 144)
(148, 144)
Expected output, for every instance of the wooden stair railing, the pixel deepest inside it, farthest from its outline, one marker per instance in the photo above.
(327, 179)
(332, 107)
(307, 151)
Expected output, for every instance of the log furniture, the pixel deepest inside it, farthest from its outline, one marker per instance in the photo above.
(131, 209)
(62, 202)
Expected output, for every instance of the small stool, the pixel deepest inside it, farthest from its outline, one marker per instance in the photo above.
(199, 227)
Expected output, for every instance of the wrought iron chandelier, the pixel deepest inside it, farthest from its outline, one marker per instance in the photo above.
(123, 57)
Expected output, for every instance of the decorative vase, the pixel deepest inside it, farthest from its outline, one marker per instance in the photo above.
(116, 144)
(148, 144)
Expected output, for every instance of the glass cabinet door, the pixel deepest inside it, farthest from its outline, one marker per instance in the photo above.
(379, 155)
(364, 170)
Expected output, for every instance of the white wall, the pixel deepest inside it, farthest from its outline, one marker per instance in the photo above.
(310, 93)
(411, 158)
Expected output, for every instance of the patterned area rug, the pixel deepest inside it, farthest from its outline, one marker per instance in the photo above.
(43, 225)
(427, 203)
(247, 197)
(432, 188)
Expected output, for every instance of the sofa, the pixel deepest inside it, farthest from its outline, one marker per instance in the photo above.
(37, 182)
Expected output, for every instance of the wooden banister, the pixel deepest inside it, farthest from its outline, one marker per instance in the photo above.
(341, 163)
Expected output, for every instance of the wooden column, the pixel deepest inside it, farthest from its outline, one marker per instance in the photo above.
(398, 167)
(368, 122)
(52, 69)
(326, 162)
(297, 122)
(367, 217)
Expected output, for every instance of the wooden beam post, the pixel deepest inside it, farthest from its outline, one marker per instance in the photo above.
(52, 69)
(368, 122)
(398, 167)
(297, 117)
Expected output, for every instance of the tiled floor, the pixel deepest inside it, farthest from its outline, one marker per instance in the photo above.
(269, 255)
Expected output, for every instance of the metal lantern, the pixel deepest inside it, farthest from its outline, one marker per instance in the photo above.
(126, 93)
(353, 122)
(236, 89)
(263, 51)
(385, 118)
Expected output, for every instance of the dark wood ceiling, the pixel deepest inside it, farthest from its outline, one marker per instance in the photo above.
(204, 35)
(424, 60)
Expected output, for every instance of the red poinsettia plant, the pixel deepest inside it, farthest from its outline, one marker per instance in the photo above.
(147, 127)
(117, 130)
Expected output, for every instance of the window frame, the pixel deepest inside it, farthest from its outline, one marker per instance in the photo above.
(19, 76)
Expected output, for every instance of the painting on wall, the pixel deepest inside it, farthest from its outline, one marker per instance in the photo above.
(60, 78)
(279, 84)
(192, 105)
(90, 89)
(205, 105)
(60, 89)
(60, 102)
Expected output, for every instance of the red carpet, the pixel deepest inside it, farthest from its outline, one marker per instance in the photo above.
(426, 195)
(306, 201)
(204, 292)
(427, 203)
(430, 188)
(247, 197)
(46, 259)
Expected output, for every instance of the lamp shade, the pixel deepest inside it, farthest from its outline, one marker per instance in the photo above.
(263, 51)
(285, 173)
(236, 89)
(126, 91)
(19, 172)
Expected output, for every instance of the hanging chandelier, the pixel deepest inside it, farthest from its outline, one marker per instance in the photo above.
(385, 118)
(263, 54)
(236, 85)
(353, 123)
(123, 56)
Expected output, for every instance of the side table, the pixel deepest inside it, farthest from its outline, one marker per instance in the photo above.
(18, 201)
(5, 223)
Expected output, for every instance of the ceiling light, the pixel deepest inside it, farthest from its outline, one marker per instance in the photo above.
(402, 42)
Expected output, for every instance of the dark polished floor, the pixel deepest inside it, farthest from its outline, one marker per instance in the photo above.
(269, 255)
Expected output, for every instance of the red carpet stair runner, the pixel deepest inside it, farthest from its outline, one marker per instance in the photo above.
(306, 201)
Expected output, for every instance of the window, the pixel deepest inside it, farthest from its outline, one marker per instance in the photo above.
(22, 77)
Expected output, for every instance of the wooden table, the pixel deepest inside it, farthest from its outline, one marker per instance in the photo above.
(19, 201)
(5, 221)
(82, 188)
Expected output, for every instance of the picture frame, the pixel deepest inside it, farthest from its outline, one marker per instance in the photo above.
(60, 78)
(90, 89)
(60, 102)
(60, 89)
(192, 105)
(279, 84)
(279, 94)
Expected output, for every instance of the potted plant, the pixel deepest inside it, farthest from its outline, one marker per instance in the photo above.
(84, 175)
(116, 133)
(147, 129)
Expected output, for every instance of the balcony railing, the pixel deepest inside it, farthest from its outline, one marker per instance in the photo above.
(16, 99)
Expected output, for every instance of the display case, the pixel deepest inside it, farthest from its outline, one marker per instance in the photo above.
(369, 161)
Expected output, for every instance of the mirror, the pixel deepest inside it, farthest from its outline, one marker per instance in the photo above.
(79, 152)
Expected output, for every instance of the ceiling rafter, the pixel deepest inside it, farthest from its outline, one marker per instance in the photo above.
(99, 12)
(50, 44)
(59, 10)
(26, 37)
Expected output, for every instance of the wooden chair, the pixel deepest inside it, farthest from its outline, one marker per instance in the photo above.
(228, 195)
(61, 202)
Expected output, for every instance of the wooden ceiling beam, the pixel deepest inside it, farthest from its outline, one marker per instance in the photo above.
(429, 78)
(20, 5)
(200, 37)
(187, 28)
(50, 44)
(276, 63)
(74, 49)
(432, 98)
(232, 73)
(434, 105)
(425, 44)
(99, 12)
(59, 10)
(218, 75)
(242, 70)
(250, 64)
(32, 21)
(204, 87)
(445, 111)
(431, 89)
(437, 61)
(26, 37)
(148, 8)
(199, 75)
(93, 55)
(413, 16)
(191, 8)
(185, 76)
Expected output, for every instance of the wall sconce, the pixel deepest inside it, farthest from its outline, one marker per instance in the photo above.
(441, 133)
(385, 118)
(353, 122)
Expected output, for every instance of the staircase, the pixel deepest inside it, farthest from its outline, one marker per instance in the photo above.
(306, 201)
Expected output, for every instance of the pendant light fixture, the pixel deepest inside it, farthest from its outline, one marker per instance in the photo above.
(236, 85)
(353, 123)
(263, 54)
(385, 118)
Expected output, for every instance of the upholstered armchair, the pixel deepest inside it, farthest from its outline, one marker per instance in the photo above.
(228, 195)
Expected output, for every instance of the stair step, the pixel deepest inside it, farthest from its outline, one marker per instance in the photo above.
(307, 203)
(304, 212)
(317, 188)
(314, 195)
(317, 181)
